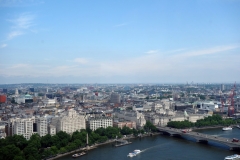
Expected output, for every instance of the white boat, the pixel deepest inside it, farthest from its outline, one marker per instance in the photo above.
(238, 126)
(134, 153)
(226, 128)
(232, 157)
(78, 154)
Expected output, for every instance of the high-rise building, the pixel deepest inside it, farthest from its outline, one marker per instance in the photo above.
(16, 92)
(222, 87)
(31, 89)
(115, 98)
(4, 90)
(70, 122)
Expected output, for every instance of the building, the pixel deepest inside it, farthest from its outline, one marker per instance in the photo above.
(132, 116)
(51, 130)
(42, 126)
(3, 98)
(115, 98)
(182, 106)
(22, 127)
(31, 89)
(222, 87)
(49, 102)
(208, 105)
(122, 123)
(70, 122)
(98, 122)
(24, 99)
(5, 90)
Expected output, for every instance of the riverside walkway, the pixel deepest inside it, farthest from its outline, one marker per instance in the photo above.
(204, 138)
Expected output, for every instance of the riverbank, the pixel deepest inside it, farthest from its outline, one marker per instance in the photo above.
(100, 144)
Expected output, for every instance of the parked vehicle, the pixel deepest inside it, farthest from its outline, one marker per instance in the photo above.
(235, 140)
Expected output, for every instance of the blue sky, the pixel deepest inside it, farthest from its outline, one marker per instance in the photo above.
(127, 41)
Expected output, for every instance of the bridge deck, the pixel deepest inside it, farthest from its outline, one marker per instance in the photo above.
(201, 136)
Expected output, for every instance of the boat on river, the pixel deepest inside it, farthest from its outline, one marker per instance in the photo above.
(227, 128)
(233, 157)
(78, 154)
(134, 153)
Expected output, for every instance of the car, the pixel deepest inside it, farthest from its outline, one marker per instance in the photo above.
(235, 140)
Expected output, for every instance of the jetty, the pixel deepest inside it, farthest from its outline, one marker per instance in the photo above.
(122, 143)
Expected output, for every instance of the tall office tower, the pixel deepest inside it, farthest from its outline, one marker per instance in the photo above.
(42, 128)
(115, 98)
(4, 90)
(16, 92)
(222, 87)
(69, 123)
(23, 127)
(31, 89)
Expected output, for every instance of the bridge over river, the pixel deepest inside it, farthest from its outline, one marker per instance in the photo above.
(204, 138)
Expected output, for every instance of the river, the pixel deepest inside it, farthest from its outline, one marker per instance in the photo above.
(166, 148)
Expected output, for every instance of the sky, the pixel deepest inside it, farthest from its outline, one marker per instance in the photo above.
(120, 41)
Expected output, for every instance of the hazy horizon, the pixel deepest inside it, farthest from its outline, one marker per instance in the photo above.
(119, 41)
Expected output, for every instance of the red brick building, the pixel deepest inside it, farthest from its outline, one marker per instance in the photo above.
(129, 124)
(3, 98)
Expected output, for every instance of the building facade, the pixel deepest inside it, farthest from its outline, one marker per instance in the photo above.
(42, 126)
(70, 122)
(98, 122)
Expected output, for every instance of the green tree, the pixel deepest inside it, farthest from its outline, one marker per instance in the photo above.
(46, 141)
(149, 127)
(126, 131)
(9, 152)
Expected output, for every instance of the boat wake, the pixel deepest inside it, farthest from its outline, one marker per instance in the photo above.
(155, 146)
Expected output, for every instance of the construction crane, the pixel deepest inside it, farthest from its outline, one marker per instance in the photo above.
(231, 98)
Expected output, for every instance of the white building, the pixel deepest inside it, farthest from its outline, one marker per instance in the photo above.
(70, 122)
(98, 122)
(49, 102)
(51, 130)
(207, 105)
(23, 99)
(23, 127)
(42, 126)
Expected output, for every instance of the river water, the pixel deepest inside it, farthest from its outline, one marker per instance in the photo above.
(164, 147)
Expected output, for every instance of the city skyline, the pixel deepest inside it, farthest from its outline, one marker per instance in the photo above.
(119, 42)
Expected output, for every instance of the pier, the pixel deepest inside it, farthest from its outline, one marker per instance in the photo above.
(122, 143)
(202, 138)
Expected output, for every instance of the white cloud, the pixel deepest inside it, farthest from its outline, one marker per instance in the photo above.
(151, 67)
(21, 25)
(81, 60)
(213, 50)
(14, 34)
(152, 51)
(3, 45)
(24, 21)
(20, 66)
